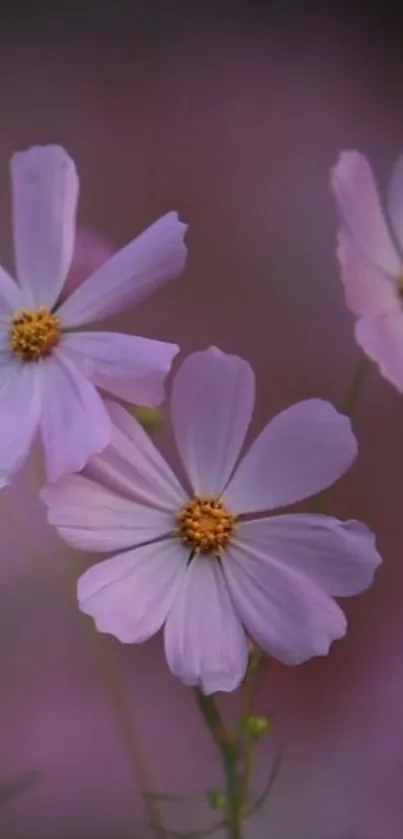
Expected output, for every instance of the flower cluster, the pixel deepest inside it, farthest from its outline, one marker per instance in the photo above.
(211, 561)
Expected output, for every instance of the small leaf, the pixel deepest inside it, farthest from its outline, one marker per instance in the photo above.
(259, 801)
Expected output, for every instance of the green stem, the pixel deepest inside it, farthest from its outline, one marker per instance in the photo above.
(226, 742)
(248, 695)
(229, 753)
(124, 720)
(354, 390)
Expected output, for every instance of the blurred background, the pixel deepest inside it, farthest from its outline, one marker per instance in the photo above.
(232, 114)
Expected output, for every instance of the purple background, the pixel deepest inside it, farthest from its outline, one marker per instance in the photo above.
(235, 124)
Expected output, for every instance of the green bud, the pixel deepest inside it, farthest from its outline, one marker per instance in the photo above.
(152, 419)
(217, 799)
(256, 726)
(255, 658)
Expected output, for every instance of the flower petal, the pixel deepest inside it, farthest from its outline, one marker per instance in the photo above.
(205, 644)
(19, 414)
(130, 595)
(395, 200)
(284, 612)
(381, 338)
(133, 369)
(368, 291)
(301, 451)
(92, 518)
(211, 407)
(339, 557)
(74, 422)
(45, 193)
(132, 465)
(11, 297)
(357, 197)
(157, 255)
(90, 252)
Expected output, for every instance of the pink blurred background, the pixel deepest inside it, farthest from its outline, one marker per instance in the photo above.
(235, 126)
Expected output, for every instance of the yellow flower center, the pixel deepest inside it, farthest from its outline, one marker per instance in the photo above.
(33, 333)
(204, 525)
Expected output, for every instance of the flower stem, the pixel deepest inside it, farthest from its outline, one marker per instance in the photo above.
(226, 742)
(124, 720)
(248, 695)
(348, 407)
(354, 390)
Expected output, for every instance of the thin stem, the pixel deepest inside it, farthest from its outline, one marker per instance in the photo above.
(124, 719)
(234, 800)
(354, 390)
(108, 670)
(227, 744)
(248, 695)
(212, 717)
(348, 406)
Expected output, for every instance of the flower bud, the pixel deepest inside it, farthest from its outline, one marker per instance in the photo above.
(217, 799)
(255, 657)
(256, 726)
(151, 419)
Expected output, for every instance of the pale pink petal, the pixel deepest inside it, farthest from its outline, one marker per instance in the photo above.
(368, 290)
(131, 368)
(90, 252)
(395, 200)
(132, 465)
(74, 422)
(339, 557)
(357, 197)
(286, 614)
(19, 414)
(92, 518)
(129, 596)
(45, 193)
(205, 644)
(381, 338)
(211, 407)
(157, 255)
(301, 451)
(11, 297)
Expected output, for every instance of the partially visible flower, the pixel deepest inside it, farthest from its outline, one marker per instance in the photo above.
(371, 261)
(49, 375)
(196, 563)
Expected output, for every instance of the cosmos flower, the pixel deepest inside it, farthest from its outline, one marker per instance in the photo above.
(199, 562)
(371, 260)
(49, 374)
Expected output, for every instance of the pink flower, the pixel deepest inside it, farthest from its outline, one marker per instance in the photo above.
(194, 562)
(49, 374)
(371, 260)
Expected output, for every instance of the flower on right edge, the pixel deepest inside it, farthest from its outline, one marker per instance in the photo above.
(370, 254)
(202, 563)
